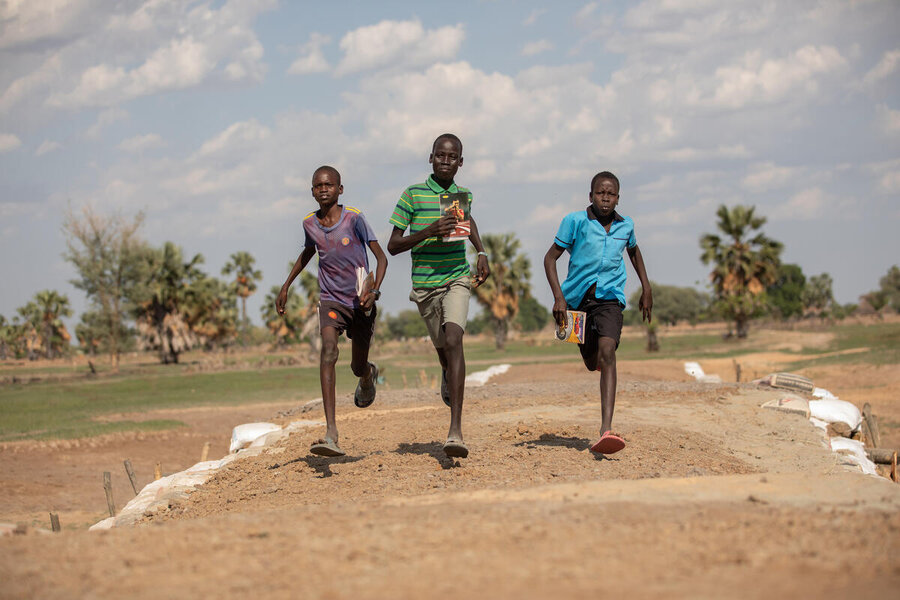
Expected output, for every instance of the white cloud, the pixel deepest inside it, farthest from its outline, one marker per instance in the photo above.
(140, 143)
(585, 11)
(532, 48)
(46, 147)
(104, 119)
(889, 118)
(767, 175)
(398, 44)
(532, 17)
(9, 141)
(758, 80)
(809, 205)
(105, 55)
(885, 67)
(689, 154)
(311, 59)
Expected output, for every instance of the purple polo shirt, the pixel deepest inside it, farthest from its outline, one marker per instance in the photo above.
(341, 249)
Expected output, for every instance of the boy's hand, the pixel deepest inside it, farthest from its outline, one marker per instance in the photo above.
(281, 301)
(559, 312)
(646, 304)
(482, 269)
(368, 300)
(442, 227)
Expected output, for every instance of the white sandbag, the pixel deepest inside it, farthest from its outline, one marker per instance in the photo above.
(823, 394)
(819, 423)
(694, 370)
(481, 377)
(106, 523)
(855, 452)
(836, 411)
(248, 433)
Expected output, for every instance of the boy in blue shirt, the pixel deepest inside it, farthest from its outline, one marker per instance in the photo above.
(340, 235)
(595, 284)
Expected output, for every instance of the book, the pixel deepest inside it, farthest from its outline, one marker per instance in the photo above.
(364, 282)
(574, 330)
(457, 205)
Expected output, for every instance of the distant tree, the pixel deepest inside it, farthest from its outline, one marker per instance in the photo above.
(210, 310)
(407, 324)
(107, 254)
(671, 304)
(743, 266)
(7, 339)
(786, 293)
(533, 316)
(91, 333)
(160, 310)
(245, 277)
(818, 298)
(44, 330)
(286, 328)
(890, 287)
(508, 284)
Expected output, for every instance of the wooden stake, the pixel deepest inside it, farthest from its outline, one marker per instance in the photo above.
(872, 425)
(405, 384)
(737, 370)
(894, 475)
(205, 453)
(130, 471)
(107, 487)
(882, 456)
(157, 471)
(54, 522)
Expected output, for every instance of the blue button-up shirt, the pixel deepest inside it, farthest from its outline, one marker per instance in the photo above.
(595, 256)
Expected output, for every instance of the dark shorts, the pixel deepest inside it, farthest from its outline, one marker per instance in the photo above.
(604, 319)
(353, 321)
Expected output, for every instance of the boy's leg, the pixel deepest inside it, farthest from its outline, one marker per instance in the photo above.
(360, 332)
(607, 365)
(455, 360)
(327, 360)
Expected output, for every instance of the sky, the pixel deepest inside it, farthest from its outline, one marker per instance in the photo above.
(210, 117)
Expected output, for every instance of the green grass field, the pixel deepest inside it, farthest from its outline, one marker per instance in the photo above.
(69, 408)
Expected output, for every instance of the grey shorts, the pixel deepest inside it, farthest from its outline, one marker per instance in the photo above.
(446, 304)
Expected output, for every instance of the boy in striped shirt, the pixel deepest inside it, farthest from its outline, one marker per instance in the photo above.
(441, 283)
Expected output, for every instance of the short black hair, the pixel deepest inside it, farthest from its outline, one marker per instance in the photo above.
(604, 175)
(331, 170)
(447, 136)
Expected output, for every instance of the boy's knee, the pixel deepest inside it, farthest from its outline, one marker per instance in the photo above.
(359, 369)
(453, 337)
(329, 353)
(607, 354)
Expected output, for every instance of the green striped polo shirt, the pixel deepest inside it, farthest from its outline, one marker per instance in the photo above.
(434, 262)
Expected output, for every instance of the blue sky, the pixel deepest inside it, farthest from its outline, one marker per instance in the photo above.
(211, 116)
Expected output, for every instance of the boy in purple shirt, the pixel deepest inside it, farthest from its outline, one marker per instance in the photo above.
(340, 234)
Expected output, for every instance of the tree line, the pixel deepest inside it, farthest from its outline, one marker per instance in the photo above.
(150, 298)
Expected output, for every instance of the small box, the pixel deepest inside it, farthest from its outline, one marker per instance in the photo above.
(573, 332)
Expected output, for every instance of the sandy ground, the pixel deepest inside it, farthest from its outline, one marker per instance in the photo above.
(713, 497)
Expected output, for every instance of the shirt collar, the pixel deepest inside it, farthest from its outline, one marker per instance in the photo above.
(437, 189)
(592, 217)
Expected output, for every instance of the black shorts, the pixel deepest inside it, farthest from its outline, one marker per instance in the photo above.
(354, 321)
(604, 319)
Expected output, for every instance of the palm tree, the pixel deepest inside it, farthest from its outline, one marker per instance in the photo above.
(289, 326)
(160, 312)
(46, 330)
(210, 309)
(743, 266)
(508, 284)
(245, 278)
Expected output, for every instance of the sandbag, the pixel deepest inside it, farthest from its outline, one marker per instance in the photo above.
(834, 411)
(248, 433)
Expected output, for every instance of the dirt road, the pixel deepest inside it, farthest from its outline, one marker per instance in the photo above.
(713, 497)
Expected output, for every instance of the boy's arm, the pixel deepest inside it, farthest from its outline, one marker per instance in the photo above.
(401, 243)
(380, 270)
(482, 264)
(559, 301)
(646, 301)
(302, 260)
